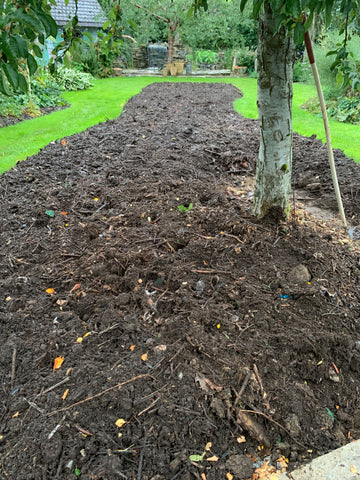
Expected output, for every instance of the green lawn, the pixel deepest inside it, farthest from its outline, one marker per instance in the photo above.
(107, 98)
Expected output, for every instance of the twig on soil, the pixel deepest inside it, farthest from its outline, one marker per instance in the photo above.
(177, 353)
(109, 328)
(33, 405)
(64, 380)
(242, 389)
(13, 366)
(82, 430)
(263, 393)
(210, 271)
(99, 394)
(232, 236)
(148, 407)
(141, 459)
(52, 433)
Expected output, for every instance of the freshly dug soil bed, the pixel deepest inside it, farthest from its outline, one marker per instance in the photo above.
(177, 328)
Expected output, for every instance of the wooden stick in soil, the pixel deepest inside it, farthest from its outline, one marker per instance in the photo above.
(13, 367)
(315, 72)
(99, 394)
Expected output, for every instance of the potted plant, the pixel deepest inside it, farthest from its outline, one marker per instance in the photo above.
(206, 58)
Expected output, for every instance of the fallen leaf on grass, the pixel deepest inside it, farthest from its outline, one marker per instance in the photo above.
(353, 469)
(144, 357)
(63, 142)
(241, 439)
(203, 476)
(208, 446)
(132, 348)
(229, 476)
(120, 422)
(58, 362)
(50, 291)
(79, 340)
(16, 415)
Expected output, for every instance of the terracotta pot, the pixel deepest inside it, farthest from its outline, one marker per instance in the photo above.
(166, 69)
(179, 67)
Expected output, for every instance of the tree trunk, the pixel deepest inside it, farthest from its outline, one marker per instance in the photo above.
(171, 39)
(275, 60)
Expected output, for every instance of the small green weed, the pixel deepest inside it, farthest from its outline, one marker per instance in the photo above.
(184, 209)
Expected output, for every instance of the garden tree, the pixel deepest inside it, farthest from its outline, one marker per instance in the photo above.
(222, 27)
(281, 24)
(140, 23)
(172, 12)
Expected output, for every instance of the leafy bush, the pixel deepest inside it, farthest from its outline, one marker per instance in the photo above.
(345, 109)
(246, 58)
(88, 60)
(302, 71)
(206, 57)
(73, 79)
(43, 92)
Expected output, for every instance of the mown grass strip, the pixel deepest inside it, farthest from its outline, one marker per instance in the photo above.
(106, 101)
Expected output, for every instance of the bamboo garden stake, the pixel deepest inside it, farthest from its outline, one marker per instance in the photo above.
(315, 72)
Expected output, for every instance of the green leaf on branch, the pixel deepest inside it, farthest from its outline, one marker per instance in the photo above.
(309, 21)
(4, 86)
(28, 19)
(37, 51)
(23, 85)
(11, 74)
(32, 64)
(21, 46)
(30, 34)
(242, 5)
(49, 24)
(257, 6)
(299, 32)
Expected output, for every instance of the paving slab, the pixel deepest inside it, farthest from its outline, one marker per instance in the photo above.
(340, 464)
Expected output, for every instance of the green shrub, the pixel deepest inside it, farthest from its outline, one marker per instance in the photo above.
(88, 60)
(206, 57)
(246, 58)
(43, 92)
(345, 109)
(73, 79)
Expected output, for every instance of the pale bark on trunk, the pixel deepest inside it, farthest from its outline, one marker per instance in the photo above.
(275, 59)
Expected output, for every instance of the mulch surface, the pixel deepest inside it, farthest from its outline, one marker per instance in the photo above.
(198, 344)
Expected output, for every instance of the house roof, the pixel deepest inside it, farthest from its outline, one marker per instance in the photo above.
(89, 13)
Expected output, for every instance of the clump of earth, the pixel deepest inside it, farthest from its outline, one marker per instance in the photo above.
(143, 340)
